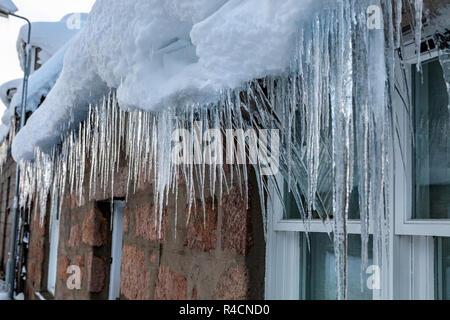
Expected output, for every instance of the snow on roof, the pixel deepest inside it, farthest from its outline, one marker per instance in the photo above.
(54, 39)
(39, 84)
(49, 36)
(160, 54)
(7, 86)
(8, 6)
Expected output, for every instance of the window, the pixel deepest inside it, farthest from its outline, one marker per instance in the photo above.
(442, 268)
(53, 255)
(318, 273)
(419, 249)
(431, 149)
(116, 250)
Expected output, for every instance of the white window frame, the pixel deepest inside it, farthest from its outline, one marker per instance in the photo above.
(411, 245)
(53, 254)
(404, 223)
(116, 249)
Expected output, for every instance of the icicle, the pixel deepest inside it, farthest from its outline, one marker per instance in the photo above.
(418, 9)
(444, 59)
(398, 22)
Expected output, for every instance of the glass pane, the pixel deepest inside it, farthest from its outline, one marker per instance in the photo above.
(292, 211)
(318, 273)
(442, 266)
(431, 144)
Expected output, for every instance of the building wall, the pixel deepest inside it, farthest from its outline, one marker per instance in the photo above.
(223, 260)
(7, 184)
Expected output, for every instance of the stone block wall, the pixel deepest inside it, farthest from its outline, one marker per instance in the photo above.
(216, 252)
(7, 185)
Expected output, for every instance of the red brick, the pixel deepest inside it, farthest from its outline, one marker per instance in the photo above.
(38, 227)
(135, 275)
(29, 293)
(126, 220)
(74, 239)
(233, 284)
(202, 229)
(74, 201)
(96, 273)
(95, 228)
(236, 223)
(145, 223)
(63, 264)
(154, 258)
(80, 263)
(38, 276)
(37, 250)
(31, 269)
(194, 294)
(170, 285)
(142, 185)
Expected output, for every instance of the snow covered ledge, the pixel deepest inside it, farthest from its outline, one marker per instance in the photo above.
(159, 54)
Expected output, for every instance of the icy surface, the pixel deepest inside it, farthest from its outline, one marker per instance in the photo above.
(164, 54)
(8, 5)
(418, 8)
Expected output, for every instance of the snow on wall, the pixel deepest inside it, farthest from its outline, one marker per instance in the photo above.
(162, 54)
(8, 6)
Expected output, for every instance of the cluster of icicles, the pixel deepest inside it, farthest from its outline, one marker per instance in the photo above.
(335, 121)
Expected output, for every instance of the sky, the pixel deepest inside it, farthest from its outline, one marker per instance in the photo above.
(34, 10)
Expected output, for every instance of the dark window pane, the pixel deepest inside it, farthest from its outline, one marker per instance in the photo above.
(431, 169)
(318, 277)
(442, 265)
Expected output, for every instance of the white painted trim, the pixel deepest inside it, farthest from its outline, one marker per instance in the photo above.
(116, 250)
(53, 254)
(403, 188)
(282, 258)
(353, 226)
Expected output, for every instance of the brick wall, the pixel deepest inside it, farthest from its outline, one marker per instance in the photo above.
(221, 259)
(7, 184)
(36, 260)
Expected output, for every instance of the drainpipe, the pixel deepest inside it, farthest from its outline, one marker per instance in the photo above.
(11, 269)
